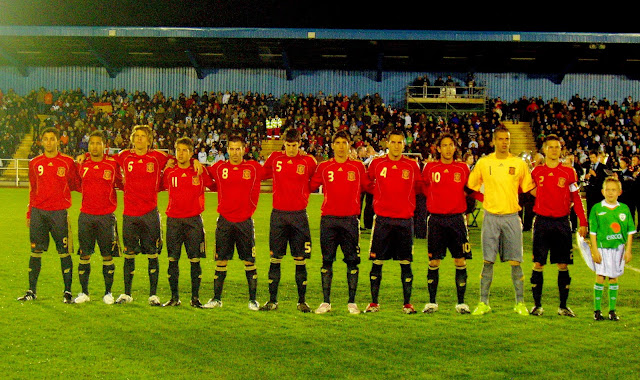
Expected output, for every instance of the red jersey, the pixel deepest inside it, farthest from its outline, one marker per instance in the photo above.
(238, 188)
(142, 179)
(291, 177)
(556, 190)
(396, 182)
(444, 187)
(341, 184)
(186, 191)
(99, 182)
(51, 181)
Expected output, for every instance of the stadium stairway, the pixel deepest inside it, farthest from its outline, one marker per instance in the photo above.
(23, 151)
(522, 139)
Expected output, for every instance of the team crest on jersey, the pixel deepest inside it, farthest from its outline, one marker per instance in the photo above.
(195, 181)
(512, 170)
(246, 174)
(405, 174)
(150, 167)
(351, 176)
(61, 171)
(107, 175)
(457, 177)
(562, 182)
(622, 217)
(300, 169)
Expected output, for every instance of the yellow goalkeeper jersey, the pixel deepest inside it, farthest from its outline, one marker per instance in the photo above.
(503, 180)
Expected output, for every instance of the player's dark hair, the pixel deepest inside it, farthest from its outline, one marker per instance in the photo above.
(237, 138)
(443, 136)
(395, 132)
(552, 137)
(626, 160)
(341, 135)
(500, 128)
(186, 142)
(53, 130)
(97, 133)
(292, 135)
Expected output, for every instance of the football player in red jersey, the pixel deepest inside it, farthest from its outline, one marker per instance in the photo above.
(141, 231)
(556, 190)
(52, 177)
(238, 185)
(97, 222)
(396, 179)
(445, 187)
(291, 171)
(342, 180)
(184, 220)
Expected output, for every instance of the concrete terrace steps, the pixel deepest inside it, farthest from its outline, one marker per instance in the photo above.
(23, 151)
(522, 139)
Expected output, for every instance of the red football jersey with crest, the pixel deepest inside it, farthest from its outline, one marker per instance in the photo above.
(556, 189)
(99, 182)
(291, 177)
(342, 184)
(238, 188)
(444, 187)
(142, 179)
(395, 186)
(51, 181)
(186, 191)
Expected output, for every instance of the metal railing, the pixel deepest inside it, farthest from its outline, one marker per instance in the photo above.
(15, 171)
(434, 92)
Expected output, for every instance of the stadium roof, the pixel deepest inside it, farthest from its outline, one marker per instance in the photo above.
(204, 49)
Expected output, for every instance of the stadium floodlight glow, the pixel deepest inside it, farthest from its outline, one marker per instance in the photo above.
(523, 59)
(270, 55)
(397, 56)
(588, 59)
(140, 53)
(633, 60)
(211, 54)
(334, 56)
(454, 57)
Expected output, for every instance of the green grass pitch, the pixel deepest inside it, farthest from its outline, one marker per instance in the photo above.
(49, 339)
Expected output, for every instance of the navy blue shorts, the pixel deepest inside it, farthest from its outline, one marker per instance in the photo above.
(343, 232)
(552, 236)
(101, 229)
(56, 223)
(289, 228)
(447, 232)
(391, 239)
(240, 235)
(142, 234)
(188, 232)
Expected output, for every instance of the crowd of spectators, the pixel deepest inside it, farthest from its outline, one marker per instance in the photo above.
(584, 124)
(16, 119)
(209, 118)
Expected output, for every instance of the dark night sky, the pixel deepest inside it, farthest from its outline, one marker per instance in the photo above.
(514, 15)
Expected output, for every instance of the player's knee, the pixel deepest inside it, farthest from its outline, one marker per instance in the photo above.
(460, 262)
(299, 261)
(563, 267)
(434, 263)
(514, 263)
(538, 267)
(488, 262)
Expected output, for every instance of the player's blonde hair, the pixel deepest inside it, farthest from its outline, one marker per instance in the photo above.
(142, 127)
